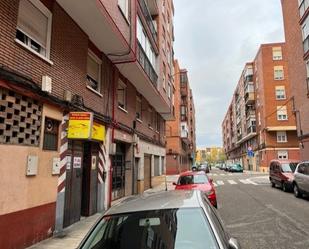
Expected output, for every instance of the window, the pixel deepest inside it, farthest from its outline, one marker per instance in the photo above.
(122, 95)
(169, 90)
(94, 72)
(280, 92)
(278, 73)
(124, 7)
(156, 121)
(145, 43)
(277, 53)
(51, 134)
(307, 68)
(151, 117)
(163, 76)
(34, 27)
(305, 29)
(139, 107)
(282, 137)
(282, 113)
(283, 154)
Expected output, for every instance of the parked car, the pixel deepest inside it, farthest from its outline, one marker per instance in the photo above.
(197, 180)
(223, 166)
(175, 219)
(228, 167)
(204, 167)
(301, 179)
(195, 167)
(281, 173)
(236, 168)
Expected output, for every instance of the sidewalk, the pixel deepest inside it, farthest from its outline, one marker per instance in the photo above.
(74, 234)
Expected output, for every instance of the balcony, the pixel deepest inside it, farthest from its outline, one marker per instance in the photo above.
(103, 34)
(250, 113)
(306, 45)
(148, 18)
(183, 90)
(153, 7)
(251, 129)
(248, 79)
(146, 65)
(303, 7)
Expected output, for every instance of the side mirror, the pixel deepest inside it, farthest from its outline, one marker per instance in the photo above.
(233, 244)
(174, 183)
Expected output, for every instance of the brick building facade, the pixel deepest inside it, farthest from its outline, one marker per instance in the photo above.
(62, 57)
(259, 125)
(180, 133)
(296, 17)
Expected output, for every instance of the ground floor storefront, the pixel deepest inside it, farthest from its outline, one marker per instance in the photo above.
(136, 164)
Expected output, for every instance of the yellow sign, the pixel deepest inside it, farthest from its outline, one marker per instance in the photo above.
(80, 124)
(98, 132)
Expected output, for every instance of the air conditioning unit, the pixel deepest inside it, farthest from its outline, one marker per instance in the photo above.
(46, 84)
(67, 96)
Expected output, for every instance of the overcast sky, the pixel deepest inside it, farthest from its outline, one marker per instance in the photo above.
(214, 40)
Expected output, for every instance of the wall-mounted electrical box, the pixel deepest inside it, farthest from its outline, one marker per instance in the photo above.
(56, 166)
(32, 165)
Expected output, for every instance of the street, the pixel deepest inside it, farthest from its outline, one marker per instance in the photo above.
(260, 216)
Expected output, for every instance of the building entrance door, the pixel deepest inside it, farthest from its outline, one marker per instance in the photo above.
(147, 172)
(90, 179)
(118, 163)
(73, 187)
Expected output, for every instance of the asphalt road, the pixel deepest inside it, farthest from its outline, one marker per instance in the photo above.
(260, 216)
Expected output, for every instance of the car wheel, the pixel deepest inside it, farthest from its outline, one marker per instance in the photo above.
(284, 187)
(272, 184)
(297, 193)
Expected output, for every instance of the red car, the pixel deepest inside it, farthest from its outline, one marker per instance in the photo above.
(197, 180)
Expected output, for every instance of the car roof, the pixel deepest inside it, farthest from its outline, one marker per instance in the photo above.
(189, 173)
(285, 161)
(155, 201)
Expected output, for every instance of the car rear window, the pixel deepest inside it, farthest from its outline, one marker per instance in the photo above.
(192, 179)
(288, 167)
(166, 229)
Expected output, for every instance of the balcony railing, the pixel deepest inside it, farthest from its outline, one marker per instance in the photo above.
(148, 18)
(303, 7)
(147, 66)
(306, 44)
(251, 129)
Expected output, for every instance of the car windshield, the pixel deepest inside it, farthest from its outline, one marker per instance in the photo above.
(192, 179)
(288, 167)
(166, 229)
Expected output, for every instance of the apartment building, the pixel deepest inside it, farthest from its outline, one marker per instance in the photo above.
(259, 125)
(296, 19)
(82, 109)
(180, 132)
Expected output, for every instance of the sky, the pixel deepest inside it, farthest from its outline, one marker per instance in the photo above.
(213, 41)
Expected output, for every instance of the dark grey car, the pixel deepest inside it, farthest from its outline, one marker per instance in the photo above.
(172, 219)
(301, 179)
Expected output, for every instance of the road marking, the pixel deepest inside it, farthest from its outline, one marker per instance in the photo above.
(222, 174)
(230, 174)
(232, 182)
(244, 181)
(251, 182)
(220, 182)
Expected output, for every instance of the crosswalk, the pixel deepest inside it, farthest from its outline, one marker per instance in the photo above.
(215, 174)
(234, 182)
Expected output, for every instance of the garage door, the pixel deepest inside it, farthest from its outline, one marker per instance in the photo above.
(147, 172)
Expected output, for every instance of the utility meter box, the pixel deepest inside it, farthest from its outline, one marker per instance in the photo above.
(56, 166)
(32, 165)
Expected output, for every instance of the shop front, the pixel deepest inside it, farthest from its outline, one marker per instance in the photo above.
(83, 176)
